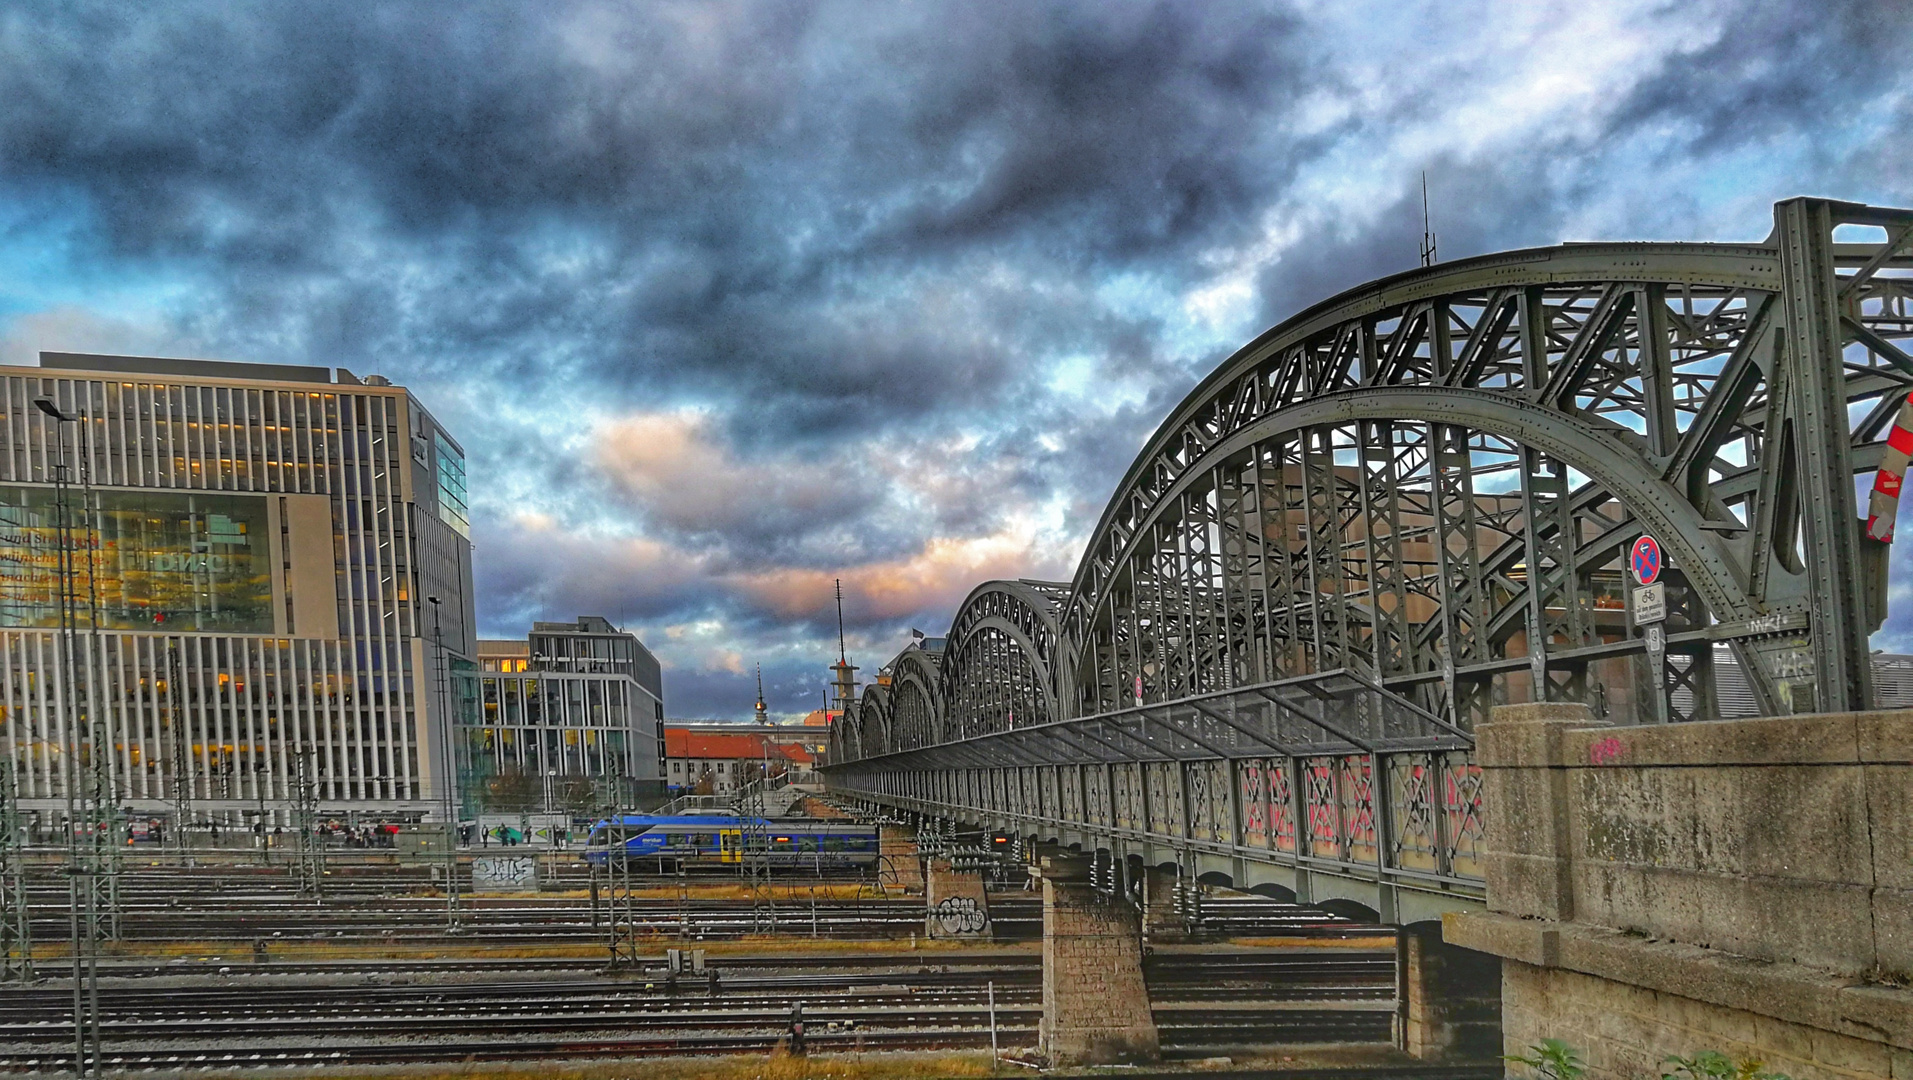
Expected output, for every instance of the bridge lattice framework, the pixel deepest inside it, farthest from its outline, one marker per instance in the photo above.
(1410, 503)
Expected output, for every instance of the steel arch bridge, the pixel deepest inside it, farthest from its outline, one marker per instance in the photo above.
(1410, 503)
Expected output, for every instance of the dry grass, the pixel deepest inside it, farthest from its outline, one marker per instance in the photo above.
(945, 1065)
(777, 1066)
(1387, 944)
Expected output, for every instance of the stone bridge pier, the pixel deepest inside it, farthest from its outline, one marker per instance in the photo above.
(1095, 1004)
(1744, 886)
(899, 863)
(1450, 998)
(1162, 919)
(957, 903)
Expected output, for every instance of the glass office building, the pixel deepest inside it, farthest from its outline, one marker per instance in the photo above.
(564, 721)
(253, 545)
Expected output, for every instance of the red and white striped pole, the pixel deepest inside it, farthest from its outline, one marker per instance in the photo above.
(1883, 505)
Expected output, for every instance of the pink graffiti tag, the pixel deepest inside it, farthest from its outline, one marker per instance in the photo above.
(1607, 750)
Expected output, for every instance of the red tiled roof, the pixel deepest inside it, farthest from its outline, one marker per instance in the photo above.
(798, 754)
(679, 743)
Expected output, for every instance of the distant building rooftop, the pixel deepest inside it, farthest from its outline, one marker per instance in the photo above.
(684, 743)
(495, 647)
(680, 743)
(585, 624)
(214, 369)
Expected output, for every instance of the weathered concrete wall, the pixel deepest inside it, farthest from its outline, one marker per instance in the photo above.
(957, 904)
(898, 861)
(1627, 1030)
(1745, 886)
(1095, 1004)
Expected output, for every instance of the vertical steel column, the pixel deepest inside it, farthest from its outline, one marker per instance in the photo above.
(16, 926)
(1457, 536)
(1810, 359)
(620, 905)
(1324, 542)
(309, 852)
(448, 774)
(1381, 476)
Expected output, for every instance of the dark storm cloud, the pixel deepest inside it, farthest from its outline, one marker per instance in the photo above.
(729, 299)
(1774, 73)
(755, 181)
(1779, 68)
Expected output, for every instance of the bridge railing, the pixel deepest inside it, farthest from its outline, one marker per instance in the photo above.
(1329, 772)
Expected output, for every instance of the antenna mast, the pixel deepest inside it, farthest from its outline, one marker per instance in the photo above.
(1428, 255)
(842, 657)
(845, 675)
(762, 716)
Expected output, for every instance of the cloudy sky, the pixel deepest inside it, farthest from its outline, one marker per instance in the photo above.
(728, 300)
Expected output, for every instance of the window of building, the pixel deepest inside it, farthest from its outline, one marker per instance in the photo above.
(170, 560)
(452, 507)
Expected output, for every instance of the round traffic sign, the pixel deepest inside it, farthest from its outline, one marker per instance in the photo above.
(1646, 560)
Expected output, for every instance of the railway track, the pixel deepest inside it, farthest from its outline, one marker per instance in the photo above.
(881, 1003)
(217, 908)
(310, 1056)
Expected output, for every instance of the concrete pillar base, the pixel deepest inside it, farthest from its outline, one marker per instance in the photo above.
(958, 906)
(898, 862)
(1160, 920)
(1453, 996)
(1095, 1005)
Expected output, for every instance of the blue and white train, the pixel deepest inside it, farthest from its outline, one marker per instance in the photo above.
(717, 839)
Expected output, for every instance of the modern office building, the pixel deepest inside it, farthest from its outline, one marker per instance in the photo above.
(564, 721)
(254, 549)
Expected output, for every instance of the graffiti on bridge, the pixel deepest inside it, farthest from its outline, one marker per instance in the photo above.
(959, 916)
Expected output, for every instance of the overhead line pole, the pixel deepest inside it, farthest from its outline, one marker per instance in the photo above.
(92, 888)
(448, 750)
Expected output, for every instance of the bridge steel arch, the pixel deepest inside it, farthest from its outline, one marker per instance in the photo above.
(916, 700)
(1001, 658)
(1412, 502)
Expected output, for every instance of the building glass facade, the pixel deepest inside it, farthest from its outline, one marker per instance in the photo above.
(449, 462)
(193, 561)
(254, 539)
(561, 722)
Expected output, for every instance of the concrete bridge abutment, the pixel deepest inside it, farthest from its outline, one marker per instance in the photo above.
(1162, 919)
(958, 903)
(899, 863)
(1451, 998)
(1742, 886)
(1096, 1007)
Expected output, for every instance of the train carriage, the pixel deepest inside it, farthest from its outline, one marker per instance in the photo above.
(721, 839)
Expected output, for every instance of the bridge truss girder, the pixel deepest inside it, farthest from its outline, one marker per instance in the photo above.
(1368, 485)
(1430, 483)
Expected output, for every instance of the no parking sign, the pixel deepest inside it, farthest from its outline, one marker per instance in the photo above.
(1645, 560)
(1650, 600)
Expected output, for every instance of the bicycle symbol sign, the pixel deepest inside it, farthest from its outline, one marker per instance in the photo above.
(1646, 560)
